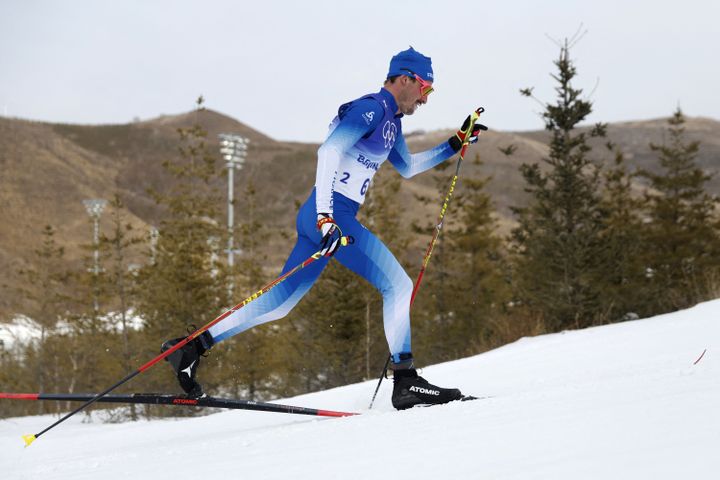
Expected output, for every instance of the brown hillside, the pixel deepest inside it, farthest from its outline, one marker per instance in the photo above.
(634, 140)
(46, 170)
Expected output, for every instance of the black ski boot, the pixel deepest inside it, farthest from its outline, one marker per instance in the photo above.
(185, 361)
(410, 389)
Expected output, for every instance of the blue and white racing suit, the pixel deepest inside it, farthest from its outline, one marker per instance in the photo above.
(364, 134)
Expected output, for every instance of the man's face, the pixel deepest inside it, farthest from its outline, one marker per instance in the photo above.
(410, 96)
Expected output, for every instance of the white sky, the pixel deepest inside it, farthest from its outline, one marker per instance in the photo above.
(284, 66)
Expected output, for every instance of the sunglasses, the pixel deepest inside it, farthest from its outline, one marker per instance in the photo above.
(425, 87)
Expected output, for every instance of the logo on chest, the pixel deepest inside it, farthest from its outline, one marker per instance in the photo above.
(389, 133)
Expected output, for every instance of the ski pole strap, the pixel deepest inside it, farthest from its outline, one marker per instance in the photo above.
(325, 220)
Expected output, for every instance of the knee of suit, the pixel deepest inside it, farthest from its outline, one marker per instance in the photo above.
(398, 286)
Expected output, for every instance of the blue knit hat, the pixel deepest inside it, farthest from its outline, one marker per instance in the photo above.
(413, 61)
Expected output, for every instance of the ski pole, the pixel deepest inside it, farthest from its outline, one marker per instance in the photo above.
(29, 439)
(473, 118)
(382, 375)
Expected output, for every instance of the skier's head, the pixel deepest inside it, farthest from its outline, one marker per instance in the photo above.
(410, 79)
(411, 60)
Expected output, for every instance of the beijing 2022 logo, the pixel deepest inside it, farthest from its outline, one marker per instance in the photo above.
(389, 133)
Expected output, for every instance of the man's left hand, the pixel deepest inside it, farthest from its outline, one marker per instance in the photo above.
(457, 140)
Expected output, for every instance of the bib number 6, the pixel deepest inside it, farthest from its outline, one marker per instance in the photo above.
(365, 186)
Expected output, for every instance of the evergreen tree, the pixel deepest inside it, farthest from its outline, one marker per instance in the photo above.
(118, 248)
(682, 243)
(86, 341)
(622, 278)
(436, 298)
(558, 241)
(482, 290)
(15, 377)
(47, 299)
(463, 285)
(247, 364)
(184, 286)
(324, 335)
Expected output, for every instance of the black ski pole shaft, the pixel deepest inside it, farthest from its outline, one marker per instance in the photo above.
(29, 439)
(473, 118)
(382, 375)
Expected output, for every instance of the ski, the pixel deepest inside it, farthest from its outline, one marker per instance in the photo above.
(177, 400)
(468, 398)
(464, 398)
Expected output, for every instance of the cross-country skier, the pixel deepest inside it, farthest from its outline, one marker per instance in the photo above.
(366, 132)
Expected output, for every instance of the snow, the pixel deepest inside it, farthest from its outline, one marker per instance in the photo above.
(22, 330)
(624, 401)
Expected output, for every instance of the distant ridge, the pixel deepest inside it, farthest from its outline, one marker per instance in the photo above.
(47, 169)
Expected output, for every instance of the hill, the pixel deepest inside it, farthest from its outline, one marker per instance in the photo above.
(46, 170)
(624, 401)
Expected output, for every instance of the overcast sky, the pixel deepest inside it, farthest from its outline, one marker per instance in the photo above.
(283, 67)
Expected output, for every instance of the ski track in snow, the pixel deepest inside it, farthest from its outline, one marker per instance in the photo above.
(622, 401)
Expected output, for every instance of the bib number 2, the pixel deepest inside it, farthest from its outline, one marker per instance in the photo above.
(346, 180)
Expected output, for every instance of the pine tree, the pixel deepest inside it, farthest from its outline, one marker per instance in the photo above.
(15, 377)
(622, 277)
(184, 287)
(47, 296)
(120, 275)
(682, 243)
(86, 343)
(248, 363)
(433, 310)
(558, 240)
(463, 285)
(330, 319)
(481, 289)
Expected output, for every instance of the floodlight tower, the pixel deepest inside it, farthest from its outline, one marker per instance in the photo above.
(154, 235)
(233, 149)
(95, 208)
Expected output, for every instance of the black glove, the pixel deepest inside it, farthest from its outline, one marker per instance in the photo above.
(457, 140)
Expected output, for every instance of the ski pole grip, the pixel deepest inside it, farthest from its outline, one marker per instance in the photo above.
(474, 117)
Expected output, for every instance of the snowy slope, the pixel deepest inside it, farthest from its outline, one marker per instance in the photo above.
(624, 401)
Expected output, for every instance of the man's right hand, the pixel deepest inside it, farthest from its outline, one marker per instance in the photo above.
(331, 234)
